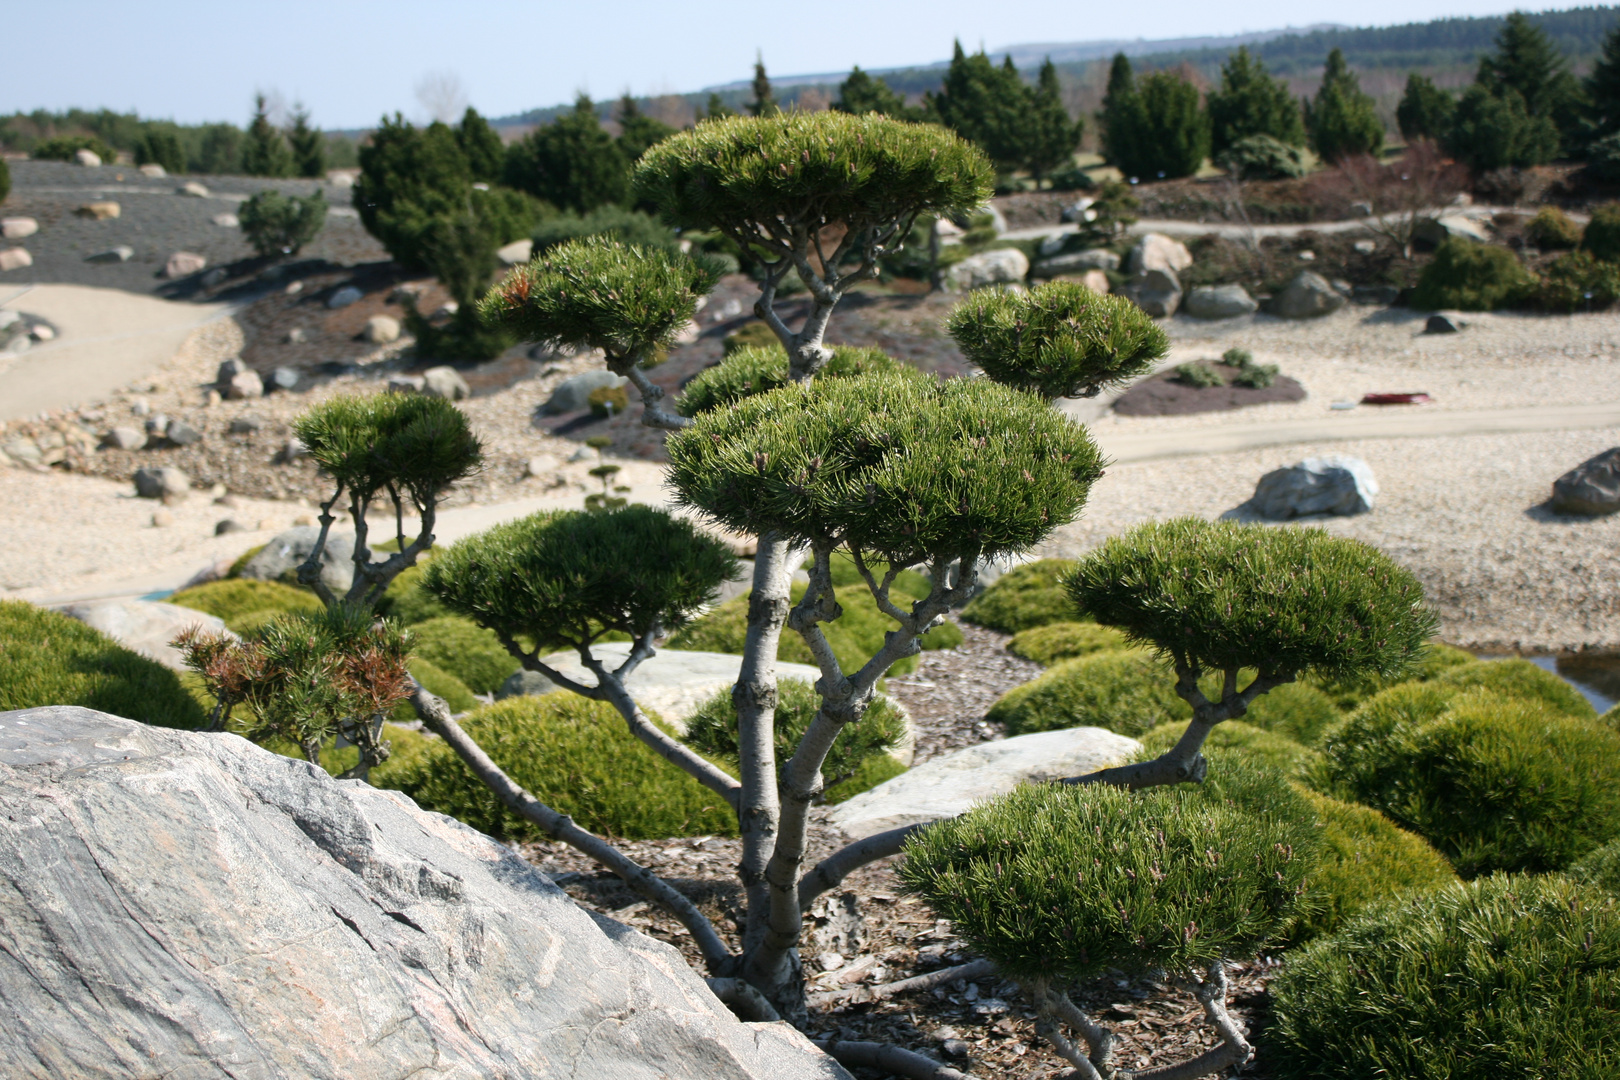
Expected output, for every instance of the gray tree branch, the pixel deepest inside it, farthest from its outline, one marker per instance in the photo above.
(890, 1059)
(974, 969)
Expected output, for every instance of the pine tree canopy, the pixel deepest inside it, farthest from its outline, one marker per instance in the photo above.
(308, 145)
(1121, 117)
(757, 370)
(563, 578)
(806, 168)
(1526, 61)
(1425, 109)
(1174, 139)
(571, 162)
(264, 149)
(1603, 88)
(1251, 102)
(764, 103)
(889, 463)
(1051, 134)
(1057, 340)
(1492, 131)
(1342, 121)
(637, 130)
(861, 93)
(482, 146)
(408, 442)
(1223, 596)
(987, 105)
(596, 292)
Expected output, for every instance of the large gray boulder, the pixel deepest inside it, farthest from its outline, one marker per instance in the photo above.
(1326, 485)
(1592, 487)
(1075, 262)
(1219, 302)
(180, 904)
(1002, 266)
(954, 783)
(1155, 251)
(574, 393)
(144, 626)
(1306, 297)
(280, 559)
(1157, 292)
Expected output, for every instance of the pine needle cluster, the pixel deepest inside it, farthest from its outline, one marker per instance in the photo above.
(406, 443)
(1057, 340)
(754, 370)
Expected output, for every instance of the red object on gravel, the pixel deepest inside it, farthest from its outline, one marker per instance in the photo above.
(1396, 399)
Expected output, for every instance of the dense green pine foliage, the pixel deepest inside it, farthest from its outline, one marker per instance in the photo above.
(1469, 276)
(637, 130)
(1527, 63)
(1507, 976)
(1121, 115)
(307, 144)
(277, 224)
(1425, 109)
(633, 228)
(571, 163)
(1341, 119)
(1603, 88)
(1034, 594)
(764, 100)
(1174, 137)
(481, 146)
(755, 370)
(1048, 644)
(161, 146)
(986, 105)
(861, 93)
(264, 149)
(1052, 135)
(1251, 102)
(1126, 691)
(1494, 131)
(1602, 234)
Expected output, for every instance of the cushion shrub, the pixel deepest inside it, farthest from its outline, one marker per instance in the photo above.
(1600, 868)
(1064, 641)
(245, 604)
(868, 775)
(1297, 710)
(1611, 719)
(1552, 230)
(1471, 276)
(1263, 747)
(243, 559)
(435, 680)
(47, 658)
(1578, 282)
(1494, 783)
(576, 756)
(1516, 678)
(1506, 976)
(1126, 691)
(1025, 596)
(1602, 233)
(466, 650)
(407, 601)
(1348, 694)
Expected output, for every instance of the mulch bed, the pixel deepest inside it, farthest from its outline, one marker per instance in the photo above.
(1163, 396)
(983, 1028)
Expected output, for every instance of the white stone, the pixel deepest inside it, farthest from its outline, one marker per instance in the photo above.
(1076, 262)
(998, 267)
(125, 438)
(1306, 297)
(1155, 251)
(344, 297)
(954, 783)
(574, 392)
(192, 189)
(296, 336)
(406, 384)
(15, 228)
(15, 259)
(381, 329)
(280, 559)
(153, 171)
(1220, 302)
(518, 251)
(540, 465)
(183, 263)
(244, 385)
(41, 332)
(1366, 247)
(340, 178)
(446, 382)
(1157, 292)
(120, 254)
(162, 483)
(88, 158)
(1435, 230)
(227, 221)
(106, 210)
(145, 626)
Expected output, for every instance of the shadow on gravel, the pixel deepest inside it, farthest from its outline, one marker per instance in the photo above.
(1544, 513)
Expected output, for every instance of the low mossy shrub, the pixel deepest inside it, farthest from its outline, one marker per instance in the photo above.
(1470, 276)
(1363, 857)
(868, 775)
(1494, 783)
(1601, 236)
(464, 649)
(1048, 644)
(712, 731)
(245, 604)
(435, 680)
(1552, 230)
(1234, 737)
(64, 147)
(242, 560)
(576, 756)
(47, 658)
(1297, 710)
(406, 747)
(1522, 679)
(1024, 597)
(1577, 281)
(854, 637)
(1127, 691)
(407, 601)
(1506, 976)
(1349, 694)
(1600, 868)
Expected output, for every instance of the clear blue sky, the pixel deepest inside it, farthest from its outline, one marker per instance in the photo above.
(352, 61)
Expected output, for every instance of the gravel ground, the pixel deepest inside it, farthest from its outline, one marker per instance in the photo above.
(156, 222)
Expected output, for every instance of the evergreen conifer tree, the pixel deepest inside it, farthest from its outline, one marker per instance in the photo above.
(264, 150)
(571, 163)
(1052, 133)
(1342, 121)
(1527, 62)
(1603, 89)
(160, 145)
(1425, 109)
(717, 109)
(861, 93)
(1495, 131)
(482, 147)
(987, 105)
(1252, 102)
(764, 103)
(1172, 137)
(308, 145)
(637, 130)
(1121, 117)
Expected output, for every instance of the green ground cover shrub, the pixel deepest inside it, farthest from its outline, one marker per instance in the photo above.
(466, 650)
(1470, 276)
(63, 147)
(244, 603)
(1577, 281)
(1048, 644)
(1600, 868)
(276, 224)
(1506, 976)
(1494, 783)
(1235, 737)
(1516, 678)
(1601, 236)
(712, 731)
(439, 682)
(1127, 691)
(1297, 710)
(626, 226)
(1552, 230)
(47, 658)
(1024, 597)
(576, 756)
(757, 363)
(1349, 694)
(407, 601)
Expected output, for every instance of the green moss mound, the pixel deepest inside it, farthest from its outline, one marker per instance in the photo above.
(1508, 976)
(1494, 783)
(1600, 868)
(868, 775)
(1263, 747)
(243, 559)
(1048, 644)
(245, 604)
(47, 658)
(1349, 694)
(1128, 692)
(576, 756)
(435, 680)
(1470, 276)
(1024, 597)
(1297, 710)
(1520, 679)
(408, 602)
(1601, 236)
(466, 650)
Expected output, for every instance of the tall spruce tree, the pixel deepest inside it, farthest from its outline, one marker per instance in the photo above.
(987, 105)
(1425, 109)
(764, 103)
(717, 109)
(1603, 89)
(1495, 131)
(264, 149)
(307, 143)
(1252, 102)
(571, 163)
(1121, 117)
(1052, 133)
(861, 93)
(637, 130)
(1527, 62)
(485, 152)
(1342, 121)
